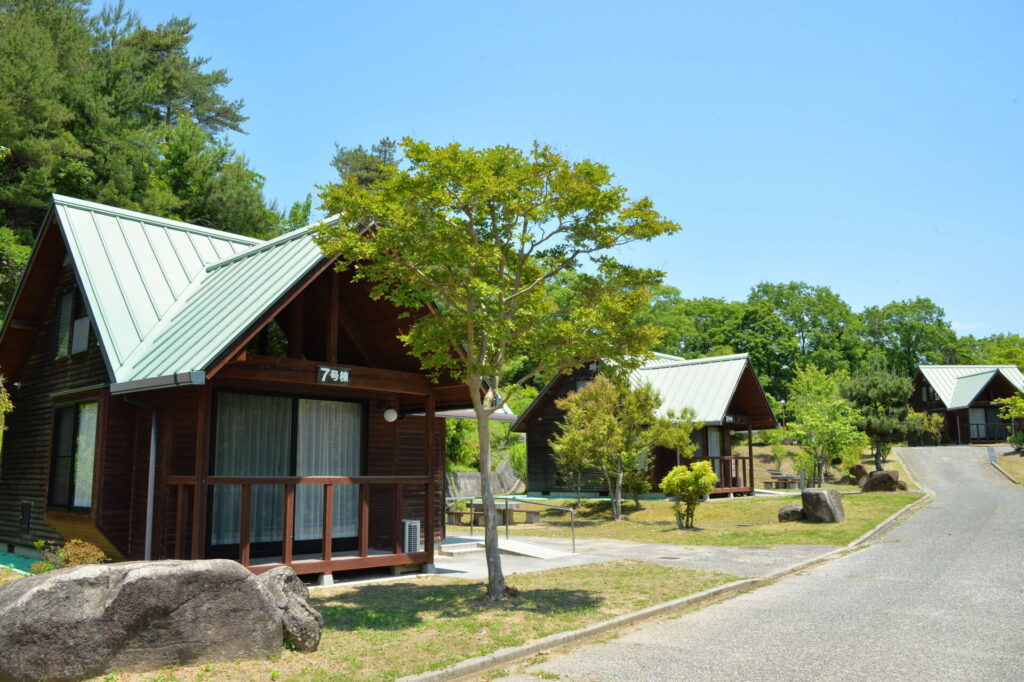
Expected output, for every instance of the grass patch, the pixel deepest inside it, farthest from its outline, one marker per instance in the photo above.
(1013, 464)
(385, 631)
(737, 522)
(7, 576)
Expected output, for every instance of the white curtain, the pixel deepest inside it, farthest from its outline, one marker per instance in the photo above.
(85, 453)
(715, 451)
(329, 444)
(253, 438)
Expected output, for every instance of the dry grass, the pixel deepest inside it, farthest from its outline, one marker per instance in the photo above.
(1013, 463)
(7, 576)
(384, 631)
(740, 521)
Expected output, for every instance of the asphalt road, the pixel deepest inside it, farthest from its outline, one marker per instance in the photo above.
(940, 597)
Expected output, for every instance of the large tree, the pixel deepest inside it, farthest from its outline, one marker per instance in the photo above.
(882, 398)
(105, 108)
(910, 333)
(825, 423)
(473, 236)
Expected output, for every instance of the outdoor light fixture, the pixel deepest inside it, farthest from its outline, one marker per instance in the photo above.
(390, 413)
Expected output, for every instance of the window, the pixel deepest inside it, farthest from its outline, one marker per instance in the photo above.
(279, 435)
(72, 324)
(74, 455)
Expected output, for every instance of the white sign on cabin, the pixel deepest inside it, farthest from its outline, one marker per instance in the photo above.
(331, 375)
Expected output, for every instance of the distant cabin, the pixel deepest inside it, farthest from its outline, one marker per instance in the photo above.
(182, 392)
(963, 395)
(724, 392)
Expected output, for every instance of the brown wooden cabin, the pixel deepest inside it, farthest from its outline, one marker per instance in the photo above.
(181, 392)
(963, 395)
(724, 392)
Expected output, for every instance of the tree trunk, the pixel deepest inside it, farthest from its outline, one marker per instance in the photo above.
(495, 577)
(616, 492)
(878, 456)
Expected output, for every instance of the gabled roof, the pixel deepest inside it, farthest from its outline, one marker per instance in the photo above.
(167, 298)
(959, 385)
(705, 385)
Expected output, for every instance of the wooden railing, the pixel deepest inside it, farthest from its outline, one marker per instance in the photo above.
(327, 561)
(736, 474)
(990, 432)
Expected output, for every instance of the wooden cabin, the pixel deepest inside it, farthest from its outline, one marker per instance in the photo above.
(963, 395)
(182, 392)
(724, 393)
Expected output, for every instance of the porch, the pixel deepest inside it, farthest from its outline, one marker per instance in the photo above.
(394, 522)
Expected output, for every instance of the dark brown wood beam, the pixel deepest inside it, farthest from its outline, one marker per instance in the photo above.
(333, 308)
(301, 373)
(356, 335)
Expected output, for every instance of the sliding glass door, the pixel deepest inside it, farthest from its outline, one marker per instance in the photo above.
(272, 435)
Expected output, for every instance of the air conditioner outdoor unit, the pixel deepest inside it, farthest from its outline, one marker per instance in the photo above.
(411, 536)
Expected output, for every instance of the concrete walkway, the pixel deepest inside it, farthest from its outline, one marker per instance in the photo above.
(940, 597)
(743, 562)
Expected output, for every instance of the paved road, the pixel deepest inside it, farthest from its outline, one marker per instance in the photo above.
(940, 597)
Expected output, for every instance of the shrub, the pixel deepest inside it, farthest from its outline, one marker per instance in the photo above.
(1017, 440)
(636, 482)
(688, 485)
(74, 552)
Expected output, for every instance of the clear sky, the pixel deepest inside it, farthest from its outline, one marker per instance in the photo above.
(873, 147)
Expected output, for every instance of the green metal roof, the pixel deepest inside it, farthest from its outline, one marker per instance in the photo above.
(958, 385)
(166, 297)
(705, 385)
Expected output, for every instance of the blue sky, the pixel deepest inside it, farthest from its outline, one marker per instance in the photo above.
(873, 147)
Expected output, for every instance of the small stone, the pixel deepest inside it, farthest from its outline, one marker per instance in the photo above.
(902, 485)
(822, 505)
(858, 471)
(791, 512)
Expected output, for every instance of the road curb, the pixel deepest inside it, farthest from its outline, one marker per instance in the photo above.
(1004, 472)
(514, 654)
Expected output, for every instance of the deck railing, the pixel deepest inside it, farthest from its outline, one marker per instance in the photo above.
(191, 513)
(990, 432)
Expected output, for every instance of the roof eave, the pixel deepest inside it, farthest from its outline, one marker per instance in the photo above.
(154, 383)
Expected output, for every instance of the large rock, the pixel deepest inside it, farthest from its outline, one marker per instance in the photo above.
(881, 481)
(822, 505)
(791, 512)
(302, 624)
(88, 620)
(858, 471)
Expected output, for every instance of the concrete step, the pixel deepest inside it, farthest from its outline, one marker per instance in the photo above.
(529, 549)
(460, 548)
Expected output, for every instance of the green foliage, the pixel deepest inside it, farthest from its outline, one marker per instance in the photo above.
(460, 445)
(1011, 407)
(635, 483)
(825, 423)
(299, 215)
(105, 108)
(927, 426)
(1017, 440)
(364, 167)
(910, 333)
(74, 552)
(472, 237)
(881, 397)
(688, 486)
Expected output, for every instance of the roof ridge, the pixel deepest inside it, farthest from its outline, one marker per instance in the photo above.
(112, 211)
(257, 248)
(697, 361)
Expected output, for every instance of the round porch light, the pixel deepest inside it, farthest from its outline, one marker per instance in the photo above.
(390, 415)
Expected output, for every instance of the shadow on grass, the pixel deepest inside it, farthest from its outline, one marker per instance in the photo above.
(398, 606)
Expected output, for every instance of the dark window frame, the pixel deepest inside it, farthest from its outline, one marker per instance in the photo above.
(66, 503)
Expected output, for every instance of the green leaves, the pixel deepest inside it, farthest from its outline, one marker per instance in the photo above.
(476, 235)
(688, 485)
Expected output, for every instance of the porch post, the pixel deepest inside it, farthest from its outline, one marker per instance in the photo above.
(199, 501)
(430, 505)
(750, 454)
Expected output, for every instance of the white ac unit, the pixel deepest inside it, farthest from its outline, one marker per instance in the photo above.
(411, 536)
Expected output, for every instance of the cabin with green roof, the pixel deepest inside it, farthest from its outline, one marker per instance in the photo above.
(963, 395)
(182, 392)
(723, 392)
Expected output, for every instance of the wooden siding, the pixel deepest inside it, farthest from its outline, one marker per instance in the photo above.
(27, 445)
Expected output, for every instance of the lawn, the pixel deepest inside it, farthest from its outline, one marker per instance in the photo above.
(741, 521)
(1013, 463)
(386, 630)
(763, 462)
